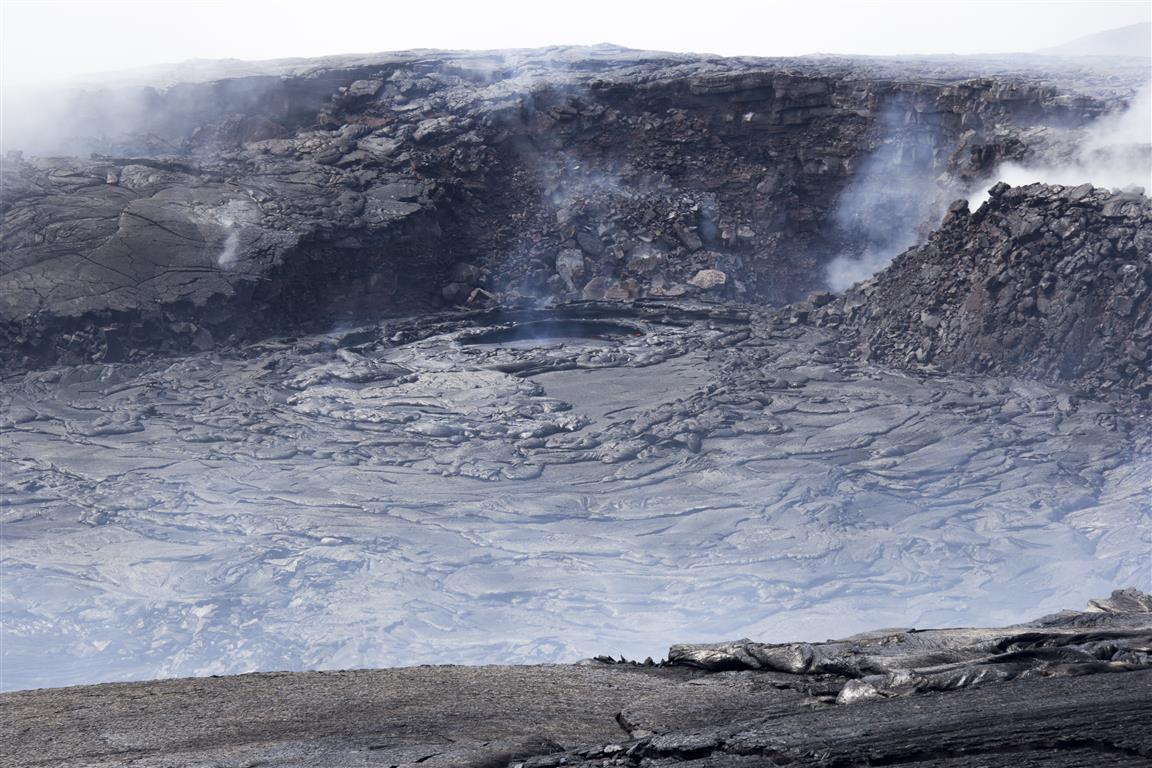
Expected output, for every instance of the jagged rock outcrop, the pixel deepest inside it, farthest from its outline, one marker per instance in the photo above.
(347, 189)
(1044, 282)
(1113, 635)
(104, 257)
(596, 714)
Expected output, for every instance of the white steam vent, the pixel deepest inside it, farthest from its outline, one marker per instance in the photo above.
(882, 207)
(1116, 153)
(232, 217)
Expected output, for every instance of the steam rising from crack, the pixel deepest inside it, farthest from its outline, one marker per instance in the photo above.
(883, 208)
(897, 192)
(227, 256)
(1116, 152)
(232, 217)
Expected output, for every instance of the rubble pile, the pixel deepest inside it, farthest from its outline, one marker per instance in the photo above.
(1043, 282)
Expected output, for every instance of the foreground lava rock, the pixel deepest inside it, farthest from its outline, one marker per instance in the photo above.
(1045, 282)
(1060, 710)
(1112, 636)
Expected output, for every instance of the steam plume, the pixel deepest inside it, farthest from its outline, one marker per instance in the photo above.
(884, 206)
(1116, 152)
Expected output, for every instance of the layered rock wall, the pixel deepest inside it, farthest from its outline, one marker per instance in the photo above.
(347, 190)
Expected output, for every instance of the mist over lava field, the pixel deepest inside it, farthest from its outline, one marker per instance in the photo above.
(526, 356)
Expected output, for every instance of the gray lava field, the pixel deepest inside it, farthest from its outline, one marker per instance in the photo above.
(696, 473)
(537, 408)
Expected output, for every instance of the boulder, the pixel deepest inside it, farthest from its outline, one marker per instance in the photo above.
(708, 279)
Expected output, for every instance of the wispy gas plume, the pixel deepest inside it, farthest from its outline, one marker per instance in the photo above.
(1116, 152)
(886, 203)
(898, 191)
(231, 245)
(232, 218)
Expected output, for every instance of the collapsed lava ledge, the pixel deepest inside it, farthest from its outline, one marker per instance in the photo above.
(955, 697)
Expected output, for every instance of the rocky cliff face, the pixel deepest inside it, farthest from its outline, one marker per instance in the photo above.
(1040, 281)
(350, 189)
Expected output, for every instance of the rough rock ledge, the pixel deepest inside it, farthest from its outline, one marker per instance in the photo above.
(1028, 695)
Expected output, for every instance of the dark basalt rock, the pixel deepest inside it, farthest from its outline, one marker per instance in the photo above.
(317, 193)
(1047, 282)
(598, 714)
(897, 662)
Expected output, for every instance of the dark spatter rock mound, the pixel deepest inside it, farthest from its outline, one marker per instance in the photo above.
(1040, 281)
(310, 194)
(767, 709)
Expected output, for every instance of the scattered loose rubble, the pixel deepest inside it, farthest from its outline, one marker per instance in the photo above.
(344, 190)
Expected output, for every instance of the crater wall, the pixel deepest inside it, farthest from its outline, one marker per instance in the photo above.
(315, 193)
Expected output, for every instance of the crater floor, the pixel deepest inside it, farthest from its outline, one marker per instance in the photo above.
(452, 489)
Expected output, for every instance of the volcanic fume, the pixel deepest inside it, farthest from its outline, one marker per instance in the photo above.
(524, 357)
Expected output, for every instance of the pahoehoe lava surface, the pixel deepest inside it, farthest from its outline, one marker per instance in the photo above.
(530, 356)
(395, 494)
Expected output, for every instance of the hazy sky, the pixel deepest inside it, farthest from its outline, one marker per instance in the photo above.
(53, 39)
